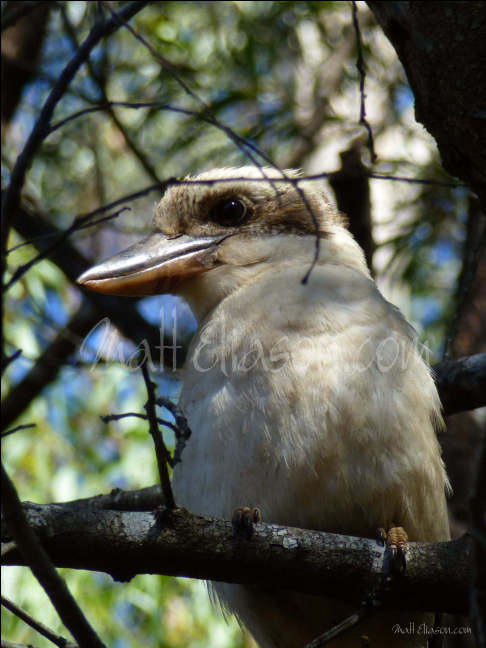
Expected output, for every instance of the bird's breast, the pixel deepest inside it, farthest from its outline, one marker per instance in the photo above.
(301, 404)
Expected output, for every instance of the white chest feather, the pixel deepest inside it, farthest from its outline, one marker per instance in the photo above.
(300, 401)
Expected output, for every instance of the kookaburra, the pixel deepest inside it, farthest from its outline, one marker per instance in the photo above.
(307, 399)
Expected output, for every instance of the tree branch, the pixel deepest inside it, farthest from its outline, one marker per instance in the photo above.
(39, 627)
(34, 555)
(161, 452)
(441, 50)
(178, 543)
(462, 383)
(11, 199)
(33, 226)
(49, 363)
(352, 190)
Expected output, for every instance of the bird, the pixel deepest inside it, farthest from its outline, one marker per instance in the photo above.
(306, 390)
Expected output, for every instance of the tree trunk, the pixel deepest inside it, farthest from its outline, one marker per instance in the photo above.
(442, 47)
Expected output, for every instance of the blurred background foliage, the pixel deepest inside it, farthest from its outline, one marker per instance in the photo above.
(280, 74)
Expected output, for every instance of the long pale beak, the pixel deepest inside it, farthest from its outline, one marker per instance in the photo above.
(152, 266)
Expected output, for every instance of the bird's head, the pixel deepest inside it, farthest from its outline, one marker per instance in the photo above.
(216, 231)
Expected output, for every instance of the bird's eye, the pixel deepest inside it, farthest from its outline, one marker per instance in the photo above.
(230, 211)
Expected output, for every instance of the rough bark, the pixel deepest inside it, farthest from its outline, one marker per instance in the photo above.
(442, 47)
(178, 543)
(21, 45)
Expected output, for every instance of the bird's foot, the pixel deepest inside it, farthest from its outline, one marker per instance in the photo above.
(243, 520)
(396, 541)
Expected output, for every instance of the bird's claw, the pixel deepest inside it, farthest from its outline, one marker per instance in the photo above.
(243, 520)
(396, 541)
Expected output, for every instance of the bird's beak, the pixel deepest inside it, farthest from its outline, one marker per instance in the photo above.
(152, 266)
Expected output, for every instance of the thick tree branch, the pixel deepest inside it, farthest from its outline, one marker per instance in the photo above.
(49, 363)
(178, 543)
(462, 383)
(352, 190)
(442, 47)
(477, 595)
(21, 46)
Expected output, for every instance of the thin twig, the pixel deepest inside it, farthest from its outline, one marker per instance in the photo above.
(17, 429)
(161, 452)
(7, 360)
(118, 417)
(83, 219)
(101, 82)
(203, 117)
(42, 629)
(56, 235)
(362, 77)
(136, 105)
(245, 146)
(181, 429)
(79, 223)
(41, 128)
(321, 176)
(339, 629)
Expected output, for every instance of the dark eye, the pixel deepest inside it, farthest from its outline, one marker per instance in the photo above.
(230, 211)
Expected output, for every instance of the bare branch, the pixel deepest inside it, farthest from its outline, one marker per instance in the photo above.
(462, 383)
(35, 556)
(362, 77)
(81, 222)
(17, 428)
(178, 543)
(42, 629)
(49, 363)
(244, 145)
(35, 227)
(101, 82)
(11, 199)
(425, 37)
(161, 452)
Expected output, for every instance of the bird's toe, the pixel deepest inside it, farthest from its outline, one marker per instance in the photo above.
(243, 520)
(396, 541)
